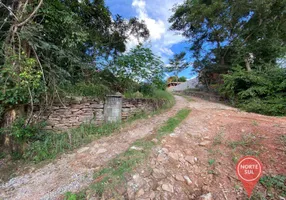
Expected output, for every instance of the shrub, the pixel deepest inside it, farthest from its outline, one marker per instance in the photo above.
(257, 91)
(147, 89)
(87, 89)
(22, 132)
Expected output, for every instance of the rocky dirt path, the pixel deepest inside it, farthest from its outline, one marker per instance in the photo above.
(74, 171)
(197, 161)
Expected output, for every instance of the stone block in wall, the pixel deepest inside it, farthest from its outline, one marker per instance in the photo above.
(87, 109)
(76, 106)
(92, 105)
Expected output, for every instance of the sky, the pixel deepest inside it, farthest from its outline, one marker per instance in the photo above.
(163, 42)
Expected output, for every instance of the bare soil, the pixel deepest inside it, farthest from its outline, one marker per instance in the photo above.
(74, 171)
(197, 161)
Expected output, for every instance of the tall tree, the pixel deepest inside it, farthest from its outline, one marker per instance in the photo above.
(225, 33)
(177, 64)
(139, 64)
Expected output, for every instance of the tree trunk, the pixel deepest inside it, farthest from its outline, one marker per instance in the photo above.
(8, 119)
(247, 65)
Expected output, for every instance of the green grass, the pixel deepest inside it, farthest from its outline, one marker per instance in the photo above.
(218, 138)
(254, 123)
(247, 140)
(2, 155)
(275, 185)
(52, 144)
(84, 89)
(211, 161)
(172, 123)
(114, 173)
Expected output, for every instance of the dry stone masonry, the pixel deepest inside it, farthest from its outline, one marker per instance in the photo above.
(74, 111)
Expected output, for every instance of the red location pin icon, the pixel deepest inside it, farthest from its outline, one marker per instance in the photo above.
(249, 171)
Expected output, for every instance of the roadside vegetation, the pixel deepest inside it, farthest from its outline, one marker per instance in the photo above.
(61, 48)
(115, 172)
(239, 50)
(37, 144)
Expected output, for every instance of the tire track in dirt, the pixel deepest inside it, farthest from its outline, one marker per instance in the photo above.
(196, 160)
(74, 171)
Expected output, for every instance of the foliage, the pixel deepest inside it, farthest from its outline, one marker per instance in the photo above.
(138, 64)
(275, 182)
(173, 122)
(19, 88)
(224, 34)
(83, 89)
(115, 172)
(172, 79)
(70, 196)
(22, 132)
(177, 64)
(48, 44)
(182, 79)
(52, 144)
(257, 91)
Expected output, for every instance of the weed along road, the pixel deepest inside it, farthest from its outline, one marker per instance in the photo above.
(174, 155)
(73, 172)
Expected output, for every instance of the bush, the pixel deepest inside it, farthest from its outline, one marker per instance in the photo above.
(52, 144)
(147, 89)
(22, 132)
(257, 91)
(87, 89)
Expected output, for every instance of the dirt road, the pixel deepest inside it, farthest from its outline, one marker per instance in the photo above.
(74, 171)
(197, 161)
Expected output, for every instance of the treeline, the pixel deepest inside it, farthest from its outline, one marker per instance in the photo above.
(239, 49)
(54, 48)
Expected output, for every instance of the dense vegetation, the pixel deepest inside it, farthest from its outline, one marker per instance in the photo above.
(238, 48)
(56, 48)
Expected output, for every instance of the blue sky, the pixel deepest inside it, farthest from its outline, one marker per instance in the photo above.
(155, 13)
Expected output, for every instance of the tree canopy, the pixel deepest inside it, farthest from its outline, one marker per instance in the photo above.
(47, 44)
(224, 33)
(177, 64)
(237, 44)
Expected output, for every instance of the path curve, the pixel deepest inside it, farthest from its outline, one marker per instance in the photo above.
(74, 171)
(196, 161)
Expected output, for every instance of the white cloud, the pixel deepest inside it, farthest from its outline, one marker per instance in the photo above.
(155, 13)
(166, 51)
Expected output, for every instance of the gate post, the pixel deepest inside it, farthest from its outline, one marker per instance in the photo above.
(112, 108)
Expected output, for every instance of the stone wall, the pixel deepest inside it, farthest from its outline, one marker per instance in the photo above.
(72, 112)
(132, 106)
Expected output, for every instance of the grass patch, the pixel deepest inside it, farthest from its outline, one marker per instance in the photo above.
(275, 185)
(2, 155)
(218, 138)
(211, 161)
(84, 89)
(254, 123)
(283, 139)
(53, 144)
(247, 140)
(172, 123)
(116, 170)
